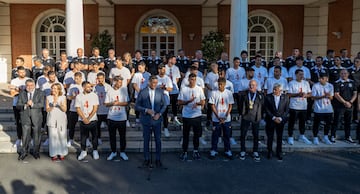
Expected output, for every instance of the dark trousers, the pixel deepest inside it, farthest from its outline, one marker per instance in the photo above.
(310, 103)
(18, 122)
(148, 129)
(355, 110)
(84, 134)
(338, 112)
(73, 119)
(33, 129)
(224, 128)
(173, 102)
(165, 118)
(208, 111)
(327, 118)
(272, 127)
(245, 125)
(195, 123)
(119, 126)
(101, 118)
(293, 116)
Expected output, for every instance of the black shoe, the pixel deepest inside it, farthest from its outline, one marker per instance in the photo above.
(269, 155)
(158, 164)
(279, 157)
(146, 163)
(196, 155)
(37, 156)
(184, 156)
(22, 156)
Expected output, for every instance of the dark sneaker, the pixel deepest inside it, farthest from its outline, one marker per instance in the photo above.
(196, 155)
(242, 155)
(184, 156)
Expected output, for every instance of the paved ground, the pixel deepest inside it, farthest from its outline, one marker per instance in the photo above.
(314, 172)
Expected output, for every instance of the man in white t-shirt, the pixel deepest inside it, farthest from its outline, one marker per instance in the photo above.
(260, 72)
(16, 86)
(165, 83)
(86, 104)
(192, 99)
(101, 89)
(322, 93)
(199, 80)
(72, 92)
(173, 72)
(299, 91)
(70, 76)
(122, 71)
(117, 100)
(221, 102)
(299, 65)
(269, 84)
(284, 71)
(139, 82)
(92, 76)
(210, 80)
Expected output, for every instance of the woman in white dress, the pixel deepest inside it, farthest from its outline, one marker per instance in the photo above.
(57, 122)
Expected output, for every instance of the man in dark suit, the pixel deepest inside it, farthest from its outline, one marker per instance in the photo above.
(276, 109)
(252, 104)
(151, 105)
(30, 104)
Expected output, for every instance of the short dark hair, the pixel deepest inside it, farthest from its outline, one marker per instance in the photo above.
(309, 52)
(78, 74)
(222, 80)
(193, 68)
(319, 57)
(152, 77)
(20, 58)
(277, 67)
(298, 70)
(329, 51)
(192, 75)
(299, 58)
(51, 73)
(244, 51)
(142, 63)
(236, 58)
(20, 68)
(84, 83)
(100, 74)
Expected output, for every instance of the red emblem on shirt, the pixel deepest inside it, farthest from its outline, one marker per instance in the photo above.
(86, 105)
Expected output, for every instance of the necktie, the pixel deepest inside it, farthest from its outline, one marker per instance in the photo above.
(30, 96)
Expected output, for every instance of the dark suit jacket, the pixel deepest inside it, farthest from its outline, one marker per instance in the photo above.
(34, 113)
(271, 111)
(143, 102)
(255, 114)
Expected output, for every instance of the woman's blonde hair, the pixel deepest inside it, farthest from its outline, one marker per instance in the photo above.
(58, 86)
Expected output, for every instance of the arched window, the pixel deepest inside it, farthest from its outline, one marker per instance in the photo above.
(158, 30)
(265, 34)
(51, 35)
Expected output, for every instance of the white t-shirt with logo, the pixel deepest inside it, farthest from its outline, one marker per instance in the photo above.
(74, 90)
(306, 71)
(92, 77)
(221, 100)
(210, 79)
(322, 105)
(165, 81)
(235, 76)
(260, 74)
(86, 103)
(284, 72)
(270, 82)
(244, 84)
(186, 94)
(298, 103)
(101, 92)
(117, 113)
(141, 80)
(19, 83)
(70, 78)
(173, 73)
(123, 72)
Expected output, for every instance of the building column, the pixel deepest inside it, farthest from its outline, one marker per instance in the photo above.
(74, 26)
(238, 27)
(5, 44)
(355, 38)
(316, 29)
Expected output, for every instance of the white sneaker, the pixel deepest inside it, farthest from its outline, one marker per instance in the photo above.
(82, 155)
(213, 153)
(127, 123)
(305, 140)
(95, 155)
(166, 132)
(316, 141)
(112, 156)
(103, 125)
(326, 140)
(88, 143)
(290, 140)
(70, 142)
(242, 155)
(202, 141)
(17, 143)
(181, 141)
(32, 142)
(123, 156)
(99, 141)
(228, 153)
(219, 140)
(232, 141)
(176, 120)
(46, 142)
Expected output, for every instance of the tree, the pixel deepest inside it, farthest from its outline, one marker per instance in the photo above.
(103, 42)
(212, 45)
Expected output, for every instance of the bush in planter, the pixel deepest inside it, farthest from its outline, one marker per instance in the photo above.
(103, 42)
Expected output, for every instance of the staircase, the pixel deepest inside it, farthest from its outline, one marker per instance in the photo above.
(169, 144)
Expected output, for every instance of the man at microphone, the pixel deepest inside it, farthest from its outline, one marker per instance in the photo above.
(151, 105)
